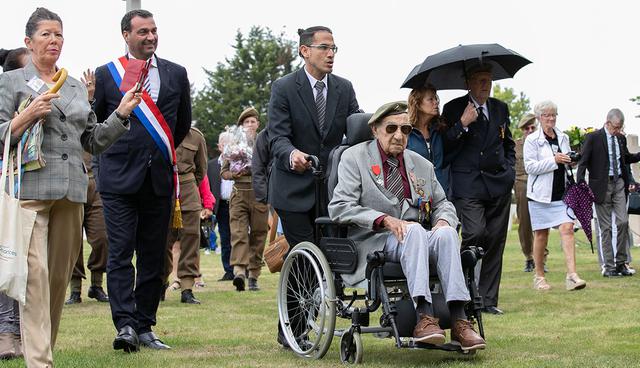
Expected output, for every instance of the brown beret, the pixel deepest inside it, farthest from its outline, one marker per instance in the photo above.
(390, 108)
(247, 113)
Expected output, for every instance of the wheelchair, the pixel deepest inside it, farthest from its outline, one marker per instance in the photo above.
(311, 293)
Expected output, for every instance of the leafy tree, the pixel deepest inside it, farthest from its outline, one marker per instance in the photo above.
(518, 106)
(243, 80)
(637, 101)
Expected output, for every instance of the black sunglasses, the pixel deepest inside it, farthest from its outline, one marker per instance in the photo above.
(404, 128)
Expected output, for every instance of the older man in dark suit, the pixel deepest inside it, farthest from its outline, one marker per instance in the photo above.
(479, 146)
(308, 113)
(136, 182)
(606, 156)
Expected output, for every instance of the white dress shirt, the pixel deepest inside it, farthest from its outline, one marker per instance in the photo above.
(313, 81)
(154, 78)
(617, 163)
(226, 186)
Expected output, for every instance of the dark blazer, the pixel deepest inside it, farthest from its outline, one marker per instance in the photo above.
(213, 173)
(482, 161)
(595, 158)
(293, 124)
(261, 166)
(124, 165)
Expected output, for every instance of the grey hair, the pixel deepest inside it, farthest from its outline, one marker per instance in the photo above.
(615, 113)
(39, 15)
(544, 106)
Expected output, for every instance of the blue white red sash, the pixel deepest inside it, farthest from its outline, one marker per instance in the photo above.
(151, 118)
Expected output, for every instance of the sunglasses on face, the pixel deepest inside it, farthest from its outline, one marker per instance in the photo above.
(404, 128)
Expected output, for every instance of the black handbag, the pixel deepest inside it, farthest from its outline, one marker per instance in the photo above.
(634, 203)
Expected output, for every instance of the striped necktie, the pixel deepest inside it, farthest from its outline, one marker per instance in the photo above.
(394, 179)
(147, 85)
(321, 105)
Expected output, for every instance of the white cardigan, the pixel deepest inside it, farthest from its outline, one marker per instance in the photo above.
(540, 163)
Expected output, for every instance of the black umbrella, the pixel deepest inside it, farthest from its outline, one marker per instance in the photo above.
(446, 69)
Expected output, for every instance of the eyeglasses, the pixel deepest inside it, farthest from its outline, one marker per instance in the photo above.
(404, 128)
(529, 127)
(325, 48)
(546, 116)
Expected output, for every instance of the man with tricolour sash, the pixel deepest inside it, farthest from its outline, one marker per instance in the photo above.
(138, 180)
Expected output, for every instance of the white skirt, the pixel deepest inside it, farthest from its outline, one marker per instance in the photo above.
(548, 215)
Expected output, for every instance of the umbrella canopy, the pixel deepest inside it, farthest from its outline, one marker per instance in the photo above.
(446, 69)
(579, 198)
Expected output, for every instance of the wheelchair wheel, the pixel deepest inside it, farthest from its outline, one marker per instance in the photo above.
(351, 347)
(307, 301)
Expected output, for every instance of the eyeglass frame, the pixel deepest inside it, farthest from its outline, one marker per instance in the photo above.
(325, 48)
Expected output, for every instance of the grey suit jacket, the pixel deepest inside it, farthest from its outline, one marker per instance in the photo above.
(360, 198)
(68, 129)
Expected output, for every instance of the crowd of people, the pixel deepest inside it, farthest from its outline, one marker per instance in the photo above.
(130, 170)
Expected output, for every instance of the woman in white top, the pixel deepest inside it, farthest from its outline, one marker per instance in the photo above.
(545, 157)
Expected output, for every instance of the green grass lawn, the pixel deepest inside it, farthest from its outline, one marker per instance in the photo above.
(596, 327)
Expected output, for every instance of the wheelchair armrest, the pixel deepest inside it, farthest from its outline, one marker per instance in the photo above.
(334, 228)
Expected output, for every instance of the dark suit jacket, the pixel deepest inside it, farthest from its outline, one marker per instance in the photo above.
(293, 124)
(595, 158)
(261, 166)
(482, 162)
(124, 165)
(213, 173)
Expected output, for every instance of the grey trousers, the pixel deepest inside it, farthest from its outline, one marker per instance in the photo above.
(614, 203)
(422, 249)
(9, 315)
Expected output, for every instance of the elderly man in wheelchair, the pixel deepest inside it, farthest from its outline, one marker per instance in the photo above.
(397, 213)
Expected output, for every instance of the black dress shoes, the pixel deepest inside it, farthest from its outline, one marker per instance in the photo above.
(187, 297)
(623, 270)
(611, 273)
(127, 340)
(228, 276)
(238, 282)
(97, 293)
(528, 265)
(492, 310)
(74, 298)
(253, 284)
(151, 341)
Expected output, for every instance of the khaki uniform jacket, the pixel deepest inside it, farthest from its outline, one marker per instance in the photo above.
(192, 168)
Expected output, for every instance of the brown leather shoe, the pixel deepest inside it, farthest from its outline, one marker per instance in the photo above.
(428, 331)
(464, 335)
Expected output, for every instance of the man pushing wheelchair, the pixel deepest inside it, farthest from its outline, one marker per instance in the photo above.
(400, 209)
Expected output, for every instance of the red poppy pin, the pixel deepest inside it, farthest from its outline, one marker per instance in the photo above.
(375, 169)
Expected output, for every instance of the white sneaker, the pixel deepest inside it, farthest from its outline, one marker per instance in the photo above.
(218, 250)
(207, 252)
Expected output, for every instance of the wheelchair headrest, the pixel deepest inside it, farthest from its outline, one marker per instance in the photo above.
(358, 130)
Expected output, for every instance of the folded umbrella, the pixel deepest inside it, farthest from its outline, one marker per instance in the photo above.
(580, 198)
(446, 69)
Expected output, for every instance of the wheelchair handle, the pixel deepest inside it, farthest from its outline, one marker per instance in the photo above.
(316, 168)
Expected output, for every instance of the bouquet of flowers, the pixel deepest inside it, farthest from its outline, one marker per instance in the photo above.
(576, 136)
(238, 151)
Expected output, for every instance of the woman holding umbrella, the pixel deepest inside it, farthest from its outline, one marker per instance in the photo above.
(545, 157)
(57, 191)
(428, 127)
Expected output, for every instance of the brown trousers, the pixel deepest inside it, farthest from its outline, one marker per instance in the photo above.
(524, 228)
(248, 220)
(53, 251)
(96, 232)
(189, 261)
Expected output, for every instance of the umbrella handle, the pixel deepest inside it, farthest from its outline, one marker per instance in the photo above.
(60, 77)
